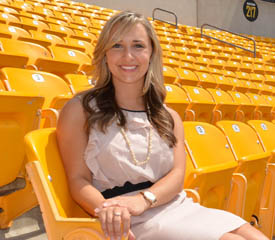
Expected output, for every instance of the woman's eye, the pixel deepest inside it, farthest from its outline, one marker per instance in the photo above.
(117, 45)
(139, 46)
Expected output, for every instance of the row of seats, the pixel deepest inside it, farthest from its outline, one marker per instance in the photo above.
(212, 105)
(45, 43)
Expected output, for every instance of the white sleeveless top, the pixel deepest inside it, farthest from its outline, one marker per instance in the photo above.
(109, 159)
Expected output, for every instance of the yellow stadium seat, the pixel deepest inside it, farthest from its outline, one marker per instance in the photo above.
(243, 76)
(78, 82)
(176, 99)
(43, 39)
(210, 166)
(266, 133)
(77, 44)
(186, 77)
(19, 114)
(32, 24)
(263, 108)
(206, 80)
(84, 35)
(8, 19)
(245, 108)
(217, 63)
(270, 79)
(65, 60)
(201, 68)
(252, 162)
(32, 50)
(201, 104)
(37, 83)
(169, 74)
(232, 66)
(259, 68)
(8, 9)
(225, 108)
(256, 77)
(63, 218)
(10, 58)
(223, 83)
(59, 30)
(228, 73)
(7, 31)
(265, 89)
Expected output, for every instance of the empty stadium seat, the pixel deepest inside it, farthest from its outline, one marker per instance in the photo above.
(263, 108)
(31, 50)
(210, 166)
(170, 75)
(19, 114)
(7, 31)
(225, 108)
(252, 163)
(78, 82)
(201, 104)
(186, 77)
(176, 99)
(246, 108)
(64, 60)
(37, 83)
(10, 58)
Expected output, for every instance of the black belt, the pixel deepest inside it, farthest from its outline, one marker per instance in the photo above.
(126, 188)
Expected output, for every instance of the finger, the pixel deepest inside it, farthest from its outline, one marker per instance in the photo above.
(102, 218)
(109, 222)
(117, 222)
(125, 218)
(110, 203)
(131, 236)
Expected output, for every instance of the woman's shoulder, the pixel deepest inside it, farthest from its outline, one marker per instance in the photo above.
(174, 114)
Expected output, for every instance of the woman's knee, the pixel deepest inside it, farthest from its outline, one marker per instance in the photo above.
(231, 236)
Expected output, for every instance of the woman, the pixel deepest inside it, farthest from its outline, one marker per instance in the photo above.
(123, 150)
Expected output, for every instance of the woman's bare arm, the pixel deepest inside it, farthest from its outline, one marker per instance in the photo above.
(72, 141)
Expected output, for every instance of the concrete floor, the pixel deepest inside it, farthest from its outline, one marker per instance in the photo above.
(29, 226)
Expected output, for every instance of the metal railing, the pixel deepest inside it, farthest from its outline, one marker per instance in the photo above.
(163, 10)
(232, 44)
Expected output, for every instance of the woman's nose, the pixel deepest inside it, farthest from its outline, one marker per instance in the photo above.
(128, 53)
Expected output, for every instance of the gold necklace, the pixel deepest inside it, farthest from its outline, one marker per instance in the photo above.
(136, 162)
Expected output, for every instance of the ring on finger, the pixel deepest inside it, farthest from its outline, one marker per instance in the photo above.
(117, 214)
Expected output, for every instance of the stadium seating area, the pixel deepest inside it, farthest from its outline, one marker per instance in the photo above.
(225, 96)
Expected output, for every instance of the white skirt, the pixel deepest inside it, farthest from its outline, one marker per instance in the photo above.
(182, 219)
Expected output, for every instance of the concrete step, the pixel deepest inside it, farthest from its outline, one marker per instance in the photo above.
(29, 226)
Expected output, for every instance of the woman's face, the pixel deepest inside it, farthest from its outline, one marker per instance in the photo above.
(128, 60)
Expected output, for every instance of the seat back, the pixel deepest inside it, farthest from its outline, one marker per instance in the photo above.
(266, 133)
(32, 50)
(19, 114)
(252, 161)
(176, 98)
(225, 108)
(78, 82)
(245, 109)
(201, 103)
(210, 163)
(35, 83)
(41, 147)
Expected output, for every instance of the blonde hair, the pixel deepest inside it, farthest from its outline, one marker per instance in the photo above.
(103, 92)
(123, 22)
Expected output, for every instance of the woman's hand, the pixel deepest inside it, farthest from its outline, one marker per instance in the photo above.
(116, 212)
(136, 204)
(115, 222)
